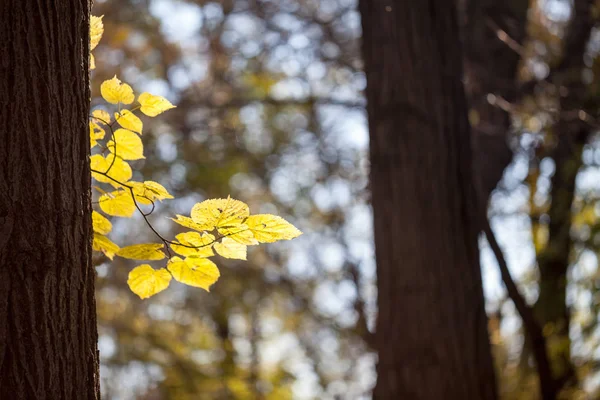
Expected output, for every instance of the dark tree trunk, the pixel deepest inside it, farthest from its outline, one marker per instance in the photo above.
(48, 331)
(493, 32)
(431, 334)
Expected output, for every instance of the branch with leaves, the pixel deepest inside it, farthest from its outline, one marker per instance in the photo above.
(221, 226)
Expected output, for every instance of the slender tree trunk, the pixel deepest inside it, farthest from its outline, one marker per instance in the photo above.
(48, 329)
(494, 32)
(431, 334)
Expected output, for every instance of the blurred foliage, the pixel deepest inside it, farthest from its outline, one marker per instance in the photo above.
(270, 110)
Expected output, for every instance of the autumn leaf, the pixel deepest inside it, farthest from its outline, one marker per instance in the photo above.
(115, 92)
(118, 204)
(128, 145)
(148, 191)
(101, 116)
(271, 228)
(145, 281)
(152, 105)
(96, 133)
(187, 222)
(100, 223)
(194, 244)
(105, 168)
(105, 245)
(129, 120)
(197, 272)
(216, 213)
(146, 251)
(229, 248)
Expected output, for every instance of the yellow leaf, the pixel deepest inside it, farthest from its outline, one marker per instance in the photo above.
(153, 105)
(147, 251)
(194, 244)
(129, 120)
(118, 204)
(105, 245)
(100, 223)
(229, 248)
(114, 91)
(149, 191)
(96, 31)
(240, 233)
(92, 62)
(219, 213)
(115, 168)
(128, 145)
(96, 133)
(101, 116)
(187, 222)
(197, 272)
(271, 228)
(145, 281)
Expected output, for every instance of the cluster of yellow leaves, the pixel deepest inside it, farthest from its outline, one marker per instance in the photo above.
(221, 226)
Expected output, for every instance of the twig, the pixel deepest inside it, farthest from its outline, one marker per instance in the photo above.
(532, 328)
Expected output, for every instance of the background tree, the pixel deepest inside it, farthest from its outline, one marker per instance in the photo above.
(48, 334)
(424, 207)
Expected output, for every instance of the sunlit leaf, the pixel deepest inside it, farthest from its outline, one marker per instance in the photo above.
(105, 245)
(215, 213)
(114, 91)
(146, 251)
(198, 272)
(240, 233)
(117, 169)
(96, 30)
(96, 133)
(187, 222)
(101, 117)
(271, 228)
(145, 281)
(100, 223)
(118, 203)
(129, 120)
(152, 105)
(229, 248)
(126, 145)
(194, 244)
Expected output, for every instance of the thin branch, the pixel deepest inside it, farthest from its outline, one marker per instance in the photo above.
(532, 328)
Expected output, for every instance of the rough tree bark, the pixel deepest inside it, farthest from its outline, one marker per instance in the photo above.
(431, 334)
(48, 331)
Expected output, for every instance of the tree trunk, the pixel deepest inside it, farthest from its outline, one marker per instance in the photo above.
(431, 334)
(493, 32)
(48, 331)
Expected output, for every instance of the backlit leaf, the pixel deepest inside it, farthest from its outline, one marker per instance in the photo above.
(105, 245)
(114, 91)
(96, 31)
(194, 244)
(129, 120)
(148, 191)
(146, 251)
(101, 117)
(240, 233)
(117, 169)
(118, 203)
(198, 272)
(100, 223)
(223, 213)
(271, 228)
(128, 145)
(96, 133)
(187, 222)
(229, 248)
(145, 281)
(153, 105)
